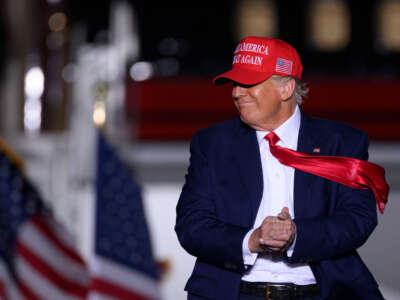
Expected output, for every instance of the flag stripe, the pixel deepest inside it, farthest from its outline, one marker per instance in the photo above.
(37, 258)
(45, 249)
(14, 292)
(42, 226)
(39, 285)
(27, 292)
(44, 269)
(127, 278)
(10, 290)
(3, 279)
(2, 291)
(105, 287)
(94, 295)
(284, 66)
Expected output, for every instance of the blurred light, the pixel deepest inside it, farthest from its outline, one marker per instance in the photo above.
(55, 40)
(256, 17)
(99, 113)
(57, 21)
(32, 115)
(69, 73)
(389, 25)
(34, 83)
(34, 87)
(168, 47)
(141, 71)
(330, 24)
(53, 1)
(168, 66)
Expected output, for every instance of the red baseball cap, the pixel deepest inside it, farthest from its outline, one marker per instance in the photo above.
(255, 59)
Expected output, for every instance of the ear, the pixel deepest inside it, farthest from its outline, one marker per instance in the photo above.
(287, 89)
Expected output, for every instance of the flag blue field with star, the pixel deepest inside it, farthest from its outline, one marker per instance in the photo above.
(121, 231)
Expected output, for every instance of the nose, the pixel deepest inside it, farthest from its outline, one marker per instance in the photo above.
(237, 91)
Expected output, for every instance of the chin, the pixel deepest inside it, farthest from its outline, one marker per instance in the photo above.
(248, 122)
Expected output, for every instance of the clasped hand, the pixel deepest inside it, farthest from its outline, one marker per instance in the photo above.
(275, 234)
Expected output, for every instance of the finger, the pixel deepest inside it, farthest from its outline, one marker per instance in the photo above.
(284, 214)
(284, 234)
(282, 237)
(274, 249)
(277, 229)
(270, 220)
(280, 227)
(268, 231)
(272, 243)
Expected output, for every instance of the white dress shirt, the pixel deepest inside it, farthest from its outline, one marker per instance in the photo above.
(278, 192)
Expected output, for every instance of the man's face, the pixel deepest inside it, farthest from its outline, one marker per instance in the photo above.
(260, 106)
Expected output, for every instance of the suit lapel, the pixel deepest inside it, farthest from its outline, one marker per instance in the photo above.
(247, 158)
(302, 180)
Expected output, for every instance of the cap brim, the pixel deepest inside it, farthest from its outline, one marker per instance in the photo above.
(241, 75)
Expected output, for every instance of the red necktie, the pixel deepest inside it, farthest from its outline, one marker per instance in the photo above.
(351, 172)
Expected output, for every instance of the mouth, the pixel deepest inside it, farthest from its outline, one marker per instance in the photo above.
(245, 103)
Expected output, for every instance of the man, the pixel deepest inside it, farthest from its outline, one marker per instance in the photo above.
(261, 229)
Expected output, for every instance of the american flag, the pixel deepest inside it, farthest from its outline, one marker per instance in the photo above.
(37, 257)
(122, 267)
(284, 66)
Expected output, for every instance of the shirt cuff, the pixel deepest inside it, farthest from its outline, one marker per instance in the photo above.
(289, 252)
(249, 258)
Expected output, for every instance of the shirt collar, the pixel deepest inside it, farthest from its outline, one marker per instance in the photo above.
(288, 132)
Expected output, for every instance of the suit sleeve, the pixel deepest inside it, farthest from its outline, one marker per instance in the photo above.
(344, 229)
(199, 230)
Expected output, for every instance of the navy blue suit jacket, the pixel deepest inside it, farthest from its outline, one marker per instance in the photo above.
(222, 193)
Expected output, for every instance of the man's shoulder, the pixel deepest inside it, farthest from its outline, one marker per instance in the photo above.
(223, 128)
(218, 137)
(330, 128)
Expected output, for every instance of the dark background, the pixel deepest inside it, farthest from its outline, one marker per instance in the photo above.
(203, 33)
(205, 29)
